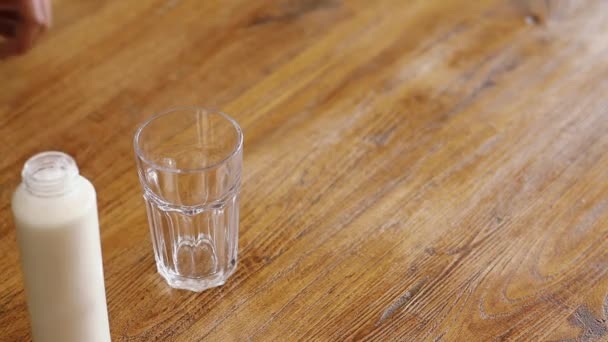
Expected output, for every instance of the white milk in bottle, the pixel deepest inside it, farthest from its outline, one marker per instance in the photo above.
(55, 212)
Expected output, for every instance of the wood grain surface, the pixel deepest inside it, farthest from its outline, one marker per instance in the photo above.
(414, 170)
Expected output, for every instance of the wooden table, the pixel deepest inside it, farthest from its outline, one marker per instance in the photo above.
(414, 170)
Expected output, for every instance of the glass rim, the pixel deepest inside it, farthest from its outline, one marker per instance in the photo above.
(139, 153)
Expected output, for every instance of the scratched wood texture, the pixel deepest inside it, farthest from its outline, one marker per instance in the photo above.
(414, 170)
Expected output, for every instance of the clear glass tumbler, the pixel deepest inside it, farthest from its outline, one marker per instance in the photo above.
(189, 162)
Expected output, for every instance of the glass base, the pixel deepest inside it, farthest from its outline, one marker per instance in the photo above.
(197, 284)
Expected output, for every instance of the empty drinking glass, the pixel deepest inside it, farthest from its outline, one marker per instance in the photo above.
(189, 162)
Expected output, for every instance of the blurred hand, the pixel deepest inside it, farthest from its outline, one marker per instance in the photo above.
(21, 23)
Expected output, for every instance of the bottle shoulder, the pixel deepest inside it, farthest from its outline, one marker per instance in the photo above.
(30, 209)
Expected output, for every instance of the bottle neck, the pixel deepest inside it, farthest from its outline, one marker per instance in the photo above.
(50, 174)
